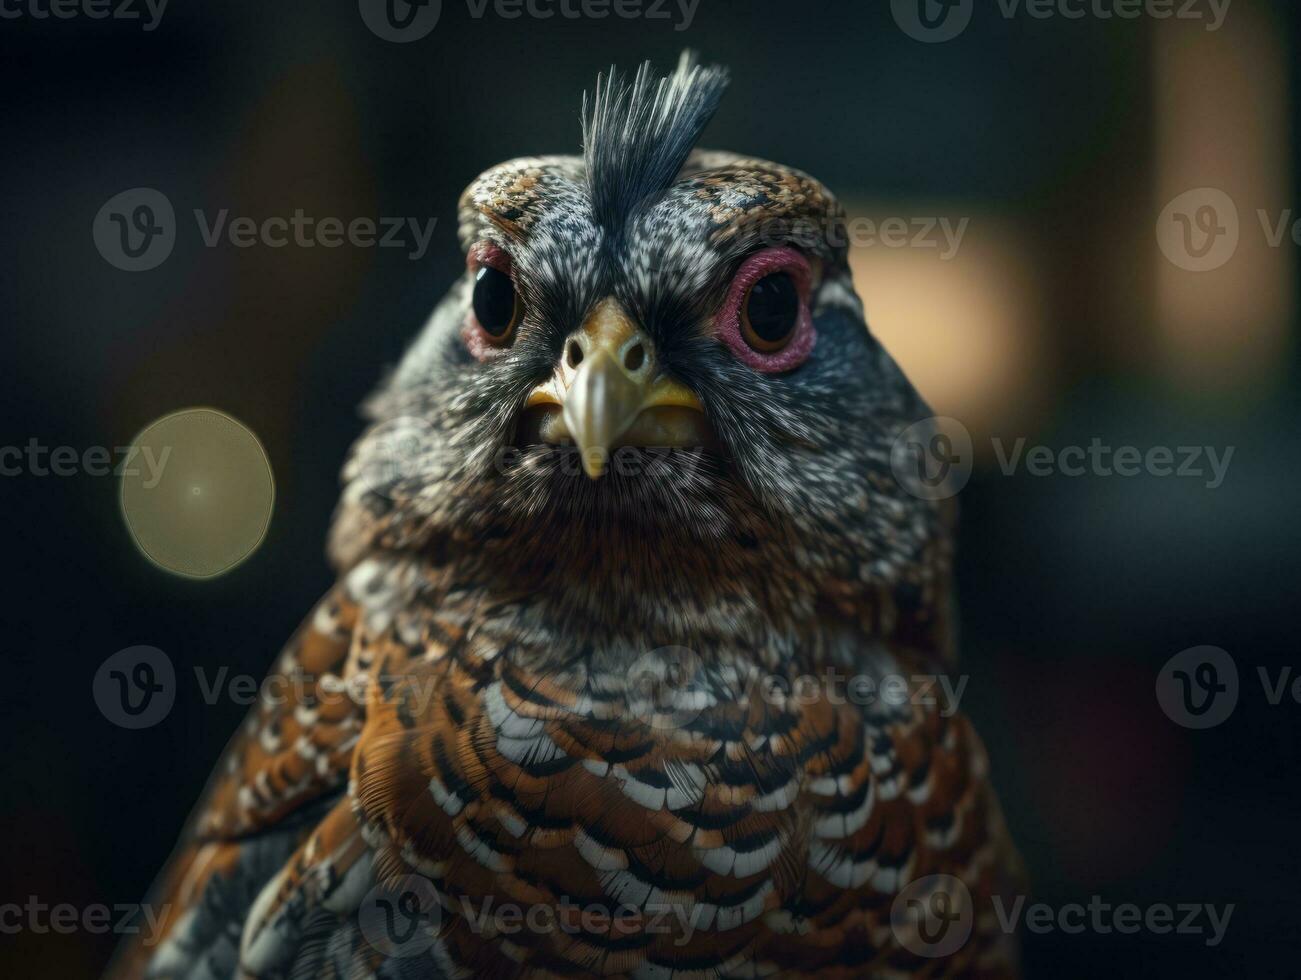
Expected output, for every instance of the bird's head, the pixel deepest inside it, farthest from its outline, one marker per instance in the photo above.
(655, 360)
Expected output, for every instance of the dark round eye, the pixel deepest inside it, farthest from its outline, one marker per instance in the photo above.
(495, 304)
(770, 312)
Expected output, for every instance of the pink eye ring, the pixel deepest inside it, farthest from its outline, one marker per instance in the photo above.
(495, 307)
(765, 319)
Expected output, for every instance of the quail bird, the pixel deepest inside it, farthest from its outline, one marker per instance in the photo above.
(619, 548)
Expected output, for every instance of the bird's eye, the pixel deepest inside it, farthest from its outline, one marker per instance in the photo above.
(770, 313)
(765, 317)
(496, 306)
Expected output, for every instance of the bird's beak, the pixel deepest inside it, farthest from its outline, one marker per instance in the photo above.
(609, 391)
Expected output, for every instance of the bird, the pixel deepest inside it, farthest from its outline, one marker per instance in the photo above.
(625, 577)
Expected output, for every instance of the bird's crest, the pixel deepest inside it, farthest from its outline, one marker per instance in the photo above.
(637, 135)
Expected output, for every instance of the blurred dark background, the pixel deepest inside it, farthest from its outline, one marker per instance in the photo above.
(1058, 320)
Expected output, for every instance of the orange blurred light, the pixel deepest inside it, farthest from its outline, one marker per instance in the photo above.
(1221, 113)
(962, 321)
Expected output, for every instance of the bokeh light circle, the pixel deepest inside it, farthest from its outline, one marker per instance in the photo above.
(197, 492)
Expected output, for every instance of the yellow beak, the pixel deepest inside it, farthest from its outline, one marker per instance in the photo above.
(610, 392)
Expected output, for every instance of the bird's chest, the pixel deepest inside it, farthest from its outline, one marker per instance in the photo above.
(639, 811)
(649, 804)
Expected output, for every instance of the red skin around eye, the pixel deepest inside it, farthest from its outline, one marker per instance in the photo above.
(728, 322)
(473, 335)
(486, 253)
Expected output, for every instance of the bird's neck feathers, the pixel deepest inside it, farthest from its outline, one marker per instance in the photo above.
(634, 587)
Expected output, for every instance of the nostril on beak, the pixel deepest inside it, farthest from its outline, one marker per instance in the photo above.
(635, 357)
(575, 354)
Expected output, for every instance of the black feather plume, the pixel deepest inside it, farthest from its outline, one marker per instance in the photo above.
(636, 136)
